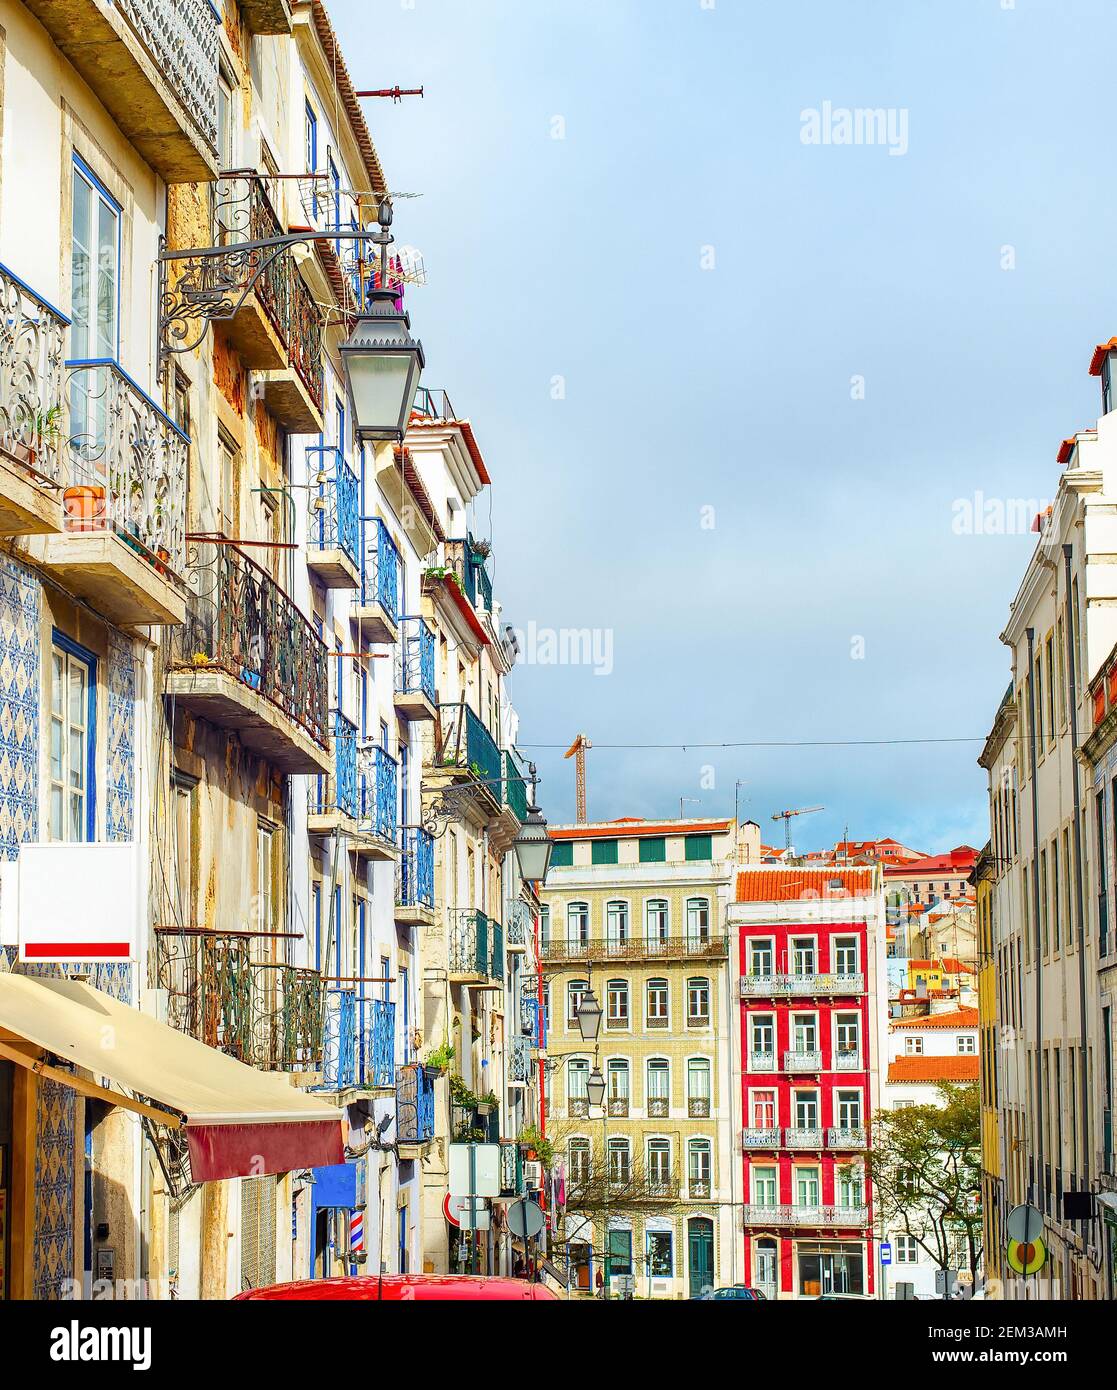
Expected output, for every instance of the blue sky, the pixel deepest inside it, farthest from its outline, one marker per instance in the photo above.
(692, 385)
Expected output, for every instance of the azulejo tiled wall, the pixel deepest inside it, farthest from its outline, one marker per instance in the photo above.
(120, 810)
(55, 1157)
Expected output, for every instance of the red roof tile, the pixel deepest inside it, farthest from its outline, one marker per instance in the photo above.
(1099, 356)
(772, 885)
(932, 1069)
(958, 1018)
(631, 829)
(960, 860)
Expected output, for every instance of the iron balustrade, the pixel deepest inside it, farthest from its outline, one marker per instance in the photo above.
(762, 1138)
(467, 745)
(181, 36)
(802, 1137)
(519, 925)
(32, 349)
(463, 560)
(265, 1013)
(433, 404)
(125, 464)
(243, 212)
(700, 1189)
(521, 1065)
(698, 1107)
(415, 659)
(762, 1061)
(659, 1107)
(380, 571)
(638, 948)
(378, 793)
(802, 1060)
(304, 342)
(767, 985)
(515, 789)
(469, 943)
(617, 1106)
(337, 792)
(845, 1137)
(339, 1061)
(816, 1216)
(240, 621)
(577, 1107)
(335, 510)
(414, 1104)
(415, 873)
(376, 1043)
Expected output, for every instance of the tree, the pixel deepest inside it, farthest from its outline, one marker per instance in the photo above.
(925, 1167)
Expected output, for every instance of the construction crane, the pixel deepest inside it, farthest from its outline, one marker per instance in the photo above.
(788, 816)
(577, 751)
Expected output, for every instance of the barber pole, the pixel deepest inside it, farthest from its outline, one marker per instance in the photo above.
(356, 1232)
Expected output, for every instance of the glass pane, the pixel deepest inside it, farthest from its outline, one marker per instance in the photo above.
(77, 816)
(106, 281)
(77, 694)
(77, 762)
(56, 832)
(55, 750)
(57, 674)
(80, 267)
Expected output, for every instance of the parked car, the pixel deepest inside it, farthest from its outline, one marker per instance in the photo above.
(741, 1291)
(403, 1288)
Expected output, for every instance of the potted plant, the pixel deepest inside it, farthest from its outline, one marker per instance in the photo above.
(481, 550)
(487, 1104)
(461, 1095)
(440, 1059)
(538, 1145)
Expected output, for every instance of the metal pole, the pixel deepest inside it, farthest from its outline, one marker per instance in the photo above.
(1036, 935)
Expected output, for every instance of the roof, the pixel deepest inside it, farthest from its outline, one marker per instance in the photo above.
(1100, 354)
(346, 91)
(960, 860)
(424, 422)
(932, 1069)
(406, 464)
(631, 827)
(949, 965)
(779, 885)
(959, 1018)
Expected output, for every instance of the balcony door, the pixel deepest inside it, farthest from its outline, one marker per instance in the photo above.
(804, 1034)
(73, 741)
(94, 312)
(657, 925)
(807, 1187)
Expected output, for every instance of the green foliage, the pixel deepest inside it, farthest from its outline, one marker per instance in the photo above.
(441, 1057)
(533, 1138)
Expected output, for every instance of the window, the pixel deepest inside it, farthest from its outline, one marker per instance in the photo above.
(698, 921)
(659, 1087)
(847, 1037)
(616, 994)
(850, 1188)
(659, 1164)
(657, 922)
(698, 1002)
(698, 1165)
(620, 1250)
(616, 924)
(763, 1039)
(805, 1109)
(603, 852)
(577, 1074)
(803, 955)
(760, 957)
(698, 848)
(698, 1087)
(661, 1258)
(804, 1033)
(658, 1011)
(574, 992)
(845, 955)
(848, 1109)
(226, 120)
(577, 925)
(807, 1187)
(907, 1250)
(764, 1186)
(618, 1087)
(620, 1161)
(311, 151)
(562, 855)
(967, 1045)
(578, 1153)
(544, 926)
(182, 790)
(653, 851)
(94, 268)
(73, 741)
(913, 1047)
(764, 1110)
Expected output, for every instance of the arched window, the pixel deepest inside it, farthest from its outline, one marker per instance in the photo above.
(697, 922)
(658, 1014)
(698, 1088)
(659, 1166)
(617, 1013)
(698, 1002)
(698, 1167)
(580, 1161)
(657, 924)
(618, 1089)
(577, 1097)
(574, 991)
(620, 1162)
(659, 1088)
(577, 928)
(616, 928)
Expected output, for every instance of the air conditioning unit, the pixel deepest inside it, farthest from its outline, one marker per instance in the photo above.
(533, 1175)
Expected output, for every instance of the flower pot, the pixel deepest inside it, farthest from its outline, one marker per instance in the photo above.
(484, 1108)
(84, 507)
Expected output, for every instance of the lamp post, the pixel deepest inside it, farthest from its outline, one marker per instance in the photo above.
(588, 1018)
(533, 844)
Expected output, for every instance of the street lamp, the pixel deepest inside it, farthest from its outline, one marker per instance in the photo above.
(595, 1087)
(383, 362)
(533, 844)
(588, 1019)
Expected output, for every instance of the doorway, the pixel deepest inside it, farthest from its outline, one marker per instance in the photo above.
(700, 1246)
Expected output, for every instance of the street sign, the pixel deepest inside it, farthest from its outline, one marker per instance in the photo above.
(1027, 1251)
(475, 1170)
(525, 1219)
(886, 1252)
(457, 1211)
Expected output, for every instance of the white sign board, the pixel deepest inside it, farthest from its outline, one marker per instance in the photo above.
(477, 1219)
(483, 1179)
(78, 902)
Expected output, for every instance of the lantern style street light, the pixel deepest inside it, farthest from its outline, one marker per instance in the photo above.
(595, 1087)
(533, 844)
(588, 1019)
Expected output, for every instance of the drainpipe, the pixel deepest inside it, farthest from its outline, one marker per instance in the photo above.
(1072, 685)
(1036, 939)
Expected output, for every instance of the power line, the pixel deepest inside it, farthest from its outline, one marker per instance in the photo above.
(773, 743)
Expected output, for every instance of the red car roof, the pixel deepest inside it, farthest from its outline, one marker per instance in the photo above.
(403, 1288)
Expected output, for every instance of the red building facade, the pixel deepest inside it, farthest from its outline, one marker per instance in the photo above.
(808, 958)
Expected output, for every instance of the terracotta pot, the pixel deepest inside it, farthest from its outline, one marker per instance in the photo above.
(84, 507)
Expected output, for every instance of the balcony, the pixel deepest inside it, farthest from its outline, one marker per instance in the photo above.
(377, 803)
(662, 1184)
(376, 604)
(770, 986)
(153, 65)
(522, 1061)
(466, 752)
(247, 660)
(468, 564)
(515, 790)
(511, 1169)
(848, 1061)
(124, 501)
(266, 16)
(359, 1043)
(845, 1138)
(659, 1107)
(476, 950)
(333, 543)
(533, 1021)
(826, 1218)
(415, 879)
(293, 393)
(221, 992)
(414, 1110)
(416, 700)
(802, 1061)
(762, 1061)
(698, 1107)
(802, 1138)
(760, 1138)
(616, 1107)
(699, 1189)
(332, 801)
(577, 1107)
(696, 948)
(519, 923)
(32, 335)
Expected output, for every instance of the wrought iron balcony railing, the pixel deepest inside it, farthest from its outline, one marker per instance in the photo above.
(617, 1106)
(472, 944)
(515, 789)
(433, 405)
(415, 872)
(415, 659)
(659, 1107)
(264, 1013)
(124, 464)
(853, 1218)
(522, 1060)
(243, 211)
(634, 948)
(662, 1183)
(762, 1061)
(464, 560)
(802, 1060)
(699, 1189)
(698, 1107)
(378, 793)
(380, 571)
(32, 338)
(241, 622)
(338, 793)
(519, 925)
(304, 342)
(466, 744)
(414, 1104)
(182, 38)
(770, 985)
(360, 1042)
(847, 1061)
(802, 1137)
(763, 1138)
(335, 509)
(845, 1137)
(376, 1043)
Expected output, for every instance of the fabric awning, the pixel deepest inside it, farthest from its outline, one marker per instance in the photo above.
(239, 1122)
